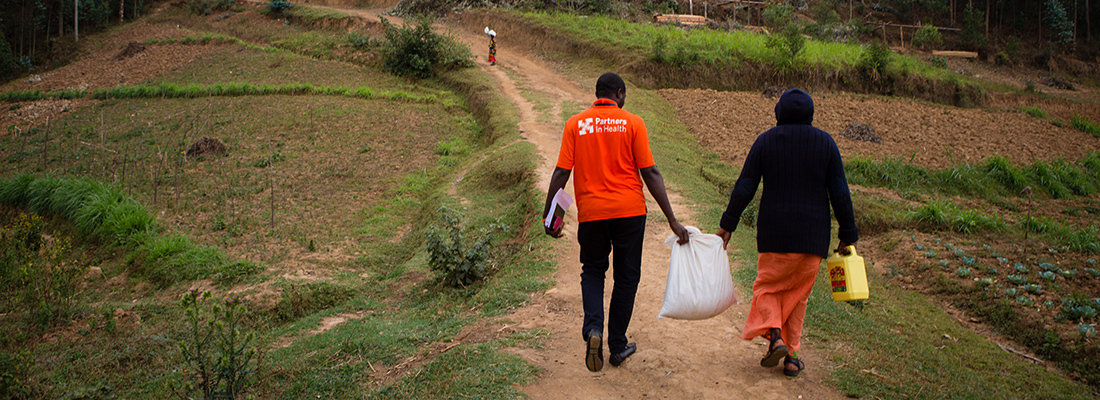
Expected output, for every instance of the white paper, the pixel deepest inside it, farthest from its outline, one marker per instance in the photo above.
(560, 198)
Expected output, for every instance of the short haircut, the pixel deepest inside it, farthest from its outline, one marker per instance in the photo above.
(608, 84)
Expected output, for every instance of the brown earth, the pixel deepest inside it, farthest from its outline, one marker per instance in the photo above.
(928, 135)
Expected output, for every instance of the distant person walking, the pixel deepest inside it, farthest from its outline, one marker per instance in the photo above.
(492, 45)
(803, 175)
(609, 149)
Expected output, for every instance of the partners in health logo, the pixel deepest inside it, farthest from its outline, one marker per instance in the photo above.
(600, 125)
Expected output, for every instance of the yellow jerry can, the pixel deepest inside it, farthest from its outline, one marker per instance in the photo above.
(848, 276)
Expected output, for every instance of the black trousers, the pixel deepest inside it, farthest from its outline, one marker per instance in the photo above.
(598, 239)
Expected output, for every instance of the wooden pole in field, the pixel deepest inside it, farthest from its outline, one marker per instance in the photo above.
(46, 146)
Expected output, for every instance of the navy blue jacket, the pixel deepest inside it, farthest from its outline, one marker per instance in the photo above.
(803, 174)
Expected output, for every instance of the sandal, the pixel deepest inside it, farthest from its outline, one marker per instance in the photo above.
(775, 353)
(793, 361)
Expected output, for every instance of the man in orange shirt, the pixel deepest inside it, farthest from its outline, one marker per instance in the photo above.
(609, 149)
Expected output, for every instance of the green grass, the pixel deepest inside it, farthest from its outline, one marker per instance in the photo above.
(33, 95)
(1035, 112)
(713, 48)
(1083, 124)
(104, 213)
(310, 15)
(171, 90)
(201, 40)
(234, 64)
(995, 176)
(863, 345)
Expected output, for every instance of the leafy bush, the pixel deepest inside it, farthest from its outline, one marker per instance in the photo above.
(876, 57)
(207, 7)
(278, 6)
(218, 356)
(927, 35)
(299, 300)
(825, 12)
(418, 51)
(460, 253)
(14, 372)
(361, 41)
(939, 62)
(778, 14)
(37, 276)
(787, 45)
(9, 65)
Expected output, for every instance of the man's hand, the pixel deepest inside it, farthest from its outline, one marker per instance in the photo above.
(679, 230)
(725, 235)
(555, 233)
(842, 248)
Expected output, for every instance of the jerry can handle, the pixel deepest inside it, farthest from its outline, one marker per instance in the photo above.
(851, 251)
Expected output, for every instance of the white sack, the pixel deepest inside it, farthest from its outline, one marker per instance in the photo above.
(699, 282)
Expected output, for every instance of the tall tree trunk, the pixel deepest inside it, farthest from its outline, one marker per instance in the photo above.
(987, 18)
(121, 7)
(76, 20)
(23, 28)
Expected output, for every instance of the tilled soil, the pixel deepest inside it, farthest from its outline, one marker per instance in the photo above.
(931, 136)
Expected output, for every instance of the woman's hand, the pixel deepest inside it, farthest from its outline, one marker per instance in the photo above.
(725, 235)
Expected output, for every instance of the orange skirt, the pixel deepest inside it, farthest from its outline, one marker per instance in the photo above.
(783, 284)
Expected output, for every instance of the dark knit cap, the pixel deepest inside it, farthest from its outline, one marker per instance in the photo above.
(795, 107)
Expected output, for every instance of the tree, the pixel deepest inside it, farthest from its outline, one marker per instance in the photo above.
(1061, 28)
(971, 35)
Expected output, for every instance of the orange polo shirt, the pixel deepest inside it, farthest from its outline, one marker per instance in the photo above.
(605, 147)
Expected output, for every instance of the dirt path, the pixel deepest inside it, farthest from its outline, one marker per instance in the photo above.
(676, 359)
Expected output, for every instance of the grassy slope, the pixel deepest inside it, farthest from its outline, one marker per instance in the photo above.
(405, 315)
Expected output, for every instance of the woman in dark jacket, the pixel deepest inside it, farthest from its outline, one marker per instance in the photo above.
(803, 175)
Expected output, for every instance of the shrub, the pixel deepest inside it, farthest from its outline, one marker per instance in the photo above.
(787, 45)
(825, 13)
(927, 35)
(299, 300)
(876, 57)
(418, 51)
(939, 62)
(778, 15)
(14, 372)
(218, 357)
(278, 6)
(207, 7)
(457, 252)
(9, 64)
